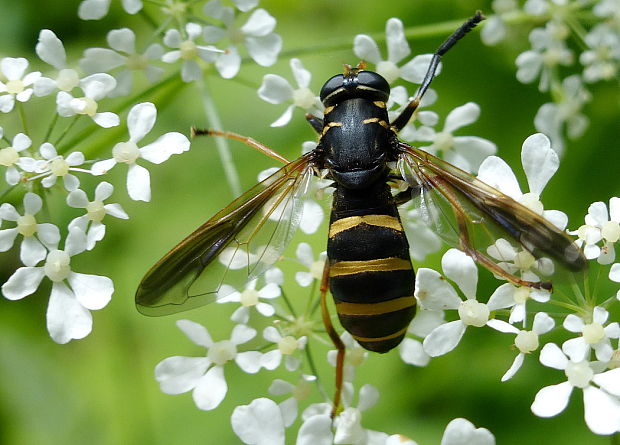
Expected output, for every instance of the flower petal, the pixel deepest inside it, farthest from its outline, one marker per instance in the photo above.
(23, 282)
(444, 338)
(140, 120)
(211, 389)
(67, 319)
(138, 183)
(259, 423)
(539, 160)
(602, 411)
(551, 400)
(177, 375)
(169, 144)
(92, 291)
(462, 432)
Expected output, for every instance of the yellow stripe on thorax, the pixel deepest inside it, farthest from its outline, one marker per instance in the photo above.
(380, 265)
(391, 222)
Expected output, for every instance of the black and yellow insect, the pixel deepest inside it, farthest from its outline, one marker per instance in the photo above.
(369, 270)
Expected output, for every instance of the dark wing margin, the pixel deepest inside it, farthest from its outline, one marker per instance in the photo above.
(447, 189)
(235, 246)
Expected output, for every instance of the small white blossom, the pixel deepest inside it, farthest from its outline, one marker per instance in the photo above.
(601, 392)
(73, 294)
(51, 50)
(11, 159)
(259, 423)
(315, 266)
(188, 51)
(466, 152)
(91, 222)
(277, 90)
(204, 376)
(256, 35)
(601, 227)
(250, 297)
(18, 84)
(38, 237)
(54, 166)
(594, 335)
(462, 432)
(494, 29)
(602, 59)
(286, 347)
(367, 49)
(140, 121)
(95, 87)
(97, 9)
(300, 392)
(124, 58)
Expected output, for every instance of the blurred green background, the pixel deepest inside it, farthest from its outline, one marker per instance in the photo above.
(101, 390)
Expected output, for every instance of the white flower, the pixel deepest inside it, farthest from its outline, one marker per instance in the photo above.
(462, 432)
(204, 376)
(125, 56)
(466, 152)
(594, 335)
(286, 347)
(525, 341)
(91, 222)
(97, 9)
(259, 423)
(366, 49)
(54, 166)
(601, 391)
(517, 297)
(51, 50)
(95, 87)
(38, 238)
(249, 297)
(140, 121)
(603, 227)
(73, 294)
(10, 158)
(601, 61)
(277, 90)
(540, 162)
(256, 34)
(433, 292)
(300, 392)
(188, 51)
(411, 350)
(18, 83)
(315, 266)
(494, 29)
(354, 357)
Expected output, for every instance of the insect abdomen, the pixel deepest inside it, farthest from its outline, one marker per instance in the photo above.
(370, 276)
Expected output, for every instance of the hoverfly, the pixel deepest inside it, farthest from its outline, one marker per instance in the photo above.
(368, 269)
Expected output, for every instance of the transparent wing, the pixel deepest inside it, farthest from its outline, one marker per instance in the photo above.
(459, 206)
(238, 244)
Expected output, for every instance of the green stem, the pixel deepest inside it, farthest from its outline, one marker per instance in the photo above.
(213, 119)
(22, 116)
(64, 133)
(288, 304)
(51, 127)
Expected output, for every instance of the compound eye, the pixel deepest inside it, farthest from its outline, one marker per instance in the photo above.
(374, 81)
(332, 85)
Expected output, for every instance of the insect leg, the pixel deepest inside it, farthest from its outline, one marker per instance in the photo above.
(246, 140)
(406, 114)
(315, 122)
(335, 338)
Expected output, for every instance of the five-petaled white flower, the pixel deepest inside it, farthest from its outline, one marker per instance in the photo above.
(95, 87)
(125, 56)
(601, 391)
(54, 166)
(603, 227)
(188, 51)
(18, 84)
(38, 238)
(277, 90)
(10, 158)
(204, 376)
(256, 34)
(594, 335)
(249, 297)
(51, 50)
(73, 294)
(140, 121)
(91, 222)
(286, 347)
(433, 292)
(366, 49)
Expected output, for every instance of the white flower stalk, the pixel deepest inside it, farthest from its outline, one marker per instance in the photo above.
(91, 222)
(595, 335)
(51, 50)
(433, 292)
(11, 159)
(398, 49)
(204, 376)
(250, 297)
(125, 59)
(38, 238)
(466, 152)
(601, 392)
(525, 341)
(277, 90)
(97, 9)
(73, 294)
(18, 84)
(314, 266)
(54, 166)
(600, 232)
(140, 121)
(256, 35)
(95, 88)
(189, 51)
(298, 393)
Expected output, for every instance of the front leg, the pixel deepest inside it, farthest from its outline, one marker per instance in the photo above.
(316, 122)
